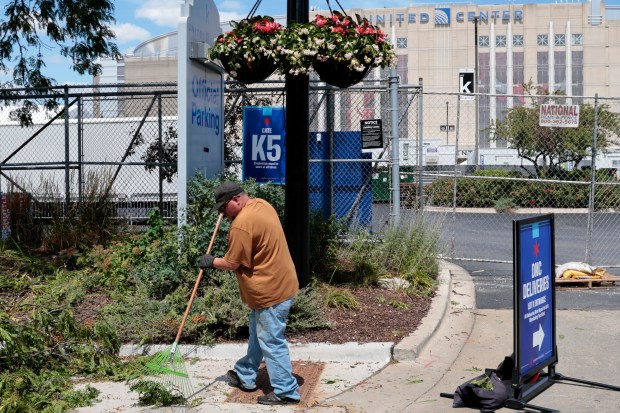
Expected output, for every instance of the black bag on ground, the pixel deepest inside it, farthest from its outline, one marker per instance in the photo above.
(486, 392)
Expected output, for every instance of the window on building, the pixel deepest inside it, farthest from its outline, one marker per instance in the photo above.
(401, 43)
(577, 39)
(484, 106)
(517, 40)
(120, 72)
(500, 41)
(518, 76)
(401, 62)
(542, 70)
(542, 40)
(560, 71)
(500, 73)
(483, 41)
(559, 40)
(577, 74)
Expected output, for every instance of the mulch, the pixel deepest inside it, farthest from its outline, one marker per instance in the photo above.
(307, 374)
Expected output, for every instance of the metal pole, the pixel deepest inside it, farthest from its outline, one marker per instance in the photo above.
(447, 123)
(592, 184)
(331, 110)
(296, 190)
(420, 145)
(456, 161)
(477, 131)
(160, 154)
(67, 154)
(395, 219)
(80, 147)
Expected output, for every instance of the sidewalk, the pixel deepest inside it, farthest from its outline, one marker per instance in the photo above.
(454, 343)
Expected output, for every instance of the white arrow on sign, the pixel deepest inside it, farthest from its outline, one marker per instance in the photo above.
(538, 337)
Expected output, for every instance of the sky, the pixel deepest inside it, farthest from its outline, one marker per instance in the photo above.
(140, 20)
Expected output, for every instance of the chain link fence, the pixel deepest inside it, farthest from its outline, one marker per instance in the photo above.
(515, 168)
(111, 142)
(470, 164)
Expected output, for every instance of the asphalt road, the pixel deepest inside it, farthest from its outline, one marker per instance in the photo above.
(494, 290)
(481, 243)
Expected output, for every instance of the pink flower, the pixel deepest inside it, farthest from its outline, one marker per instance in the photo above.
(320, 21)
(267, 27)
(338, 29)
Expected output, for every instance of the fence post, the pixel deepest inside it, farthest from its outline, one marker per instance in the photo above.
(80, 157)
(160, 154)
(395, 148)
(456, 161)
(592, 183)
(67, 186)
(420, 145)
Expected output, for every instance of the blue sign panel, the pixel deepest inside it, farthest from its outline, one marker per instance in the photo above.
(263, 144)
(534, 295)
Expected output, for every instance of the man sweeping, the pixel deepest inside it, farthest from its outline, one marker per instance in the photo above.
(259, 256)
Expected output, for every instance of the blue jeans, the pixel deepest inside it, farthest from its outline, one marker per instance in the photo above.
(267, 341)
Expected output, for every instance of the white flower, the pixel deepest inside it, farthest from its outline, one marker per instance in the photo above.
(348, 55)
(331, 46)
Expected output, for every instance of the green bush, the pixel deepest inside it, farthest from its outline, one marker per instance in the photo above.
(65, 320)
(505, 205)
(325, 241)
(485, 193)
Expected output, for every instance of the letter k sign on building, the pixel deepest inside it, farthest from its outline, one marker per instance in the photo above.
(466, 84)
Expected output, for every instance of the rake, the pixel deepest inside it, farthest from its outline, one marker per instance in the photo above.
(167, 369)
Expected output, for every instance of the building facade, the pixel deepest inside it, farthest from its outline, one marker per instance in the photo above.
(572, 48)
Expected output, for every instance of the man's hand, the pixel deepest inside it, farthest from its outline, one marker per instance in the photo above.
(206, 261)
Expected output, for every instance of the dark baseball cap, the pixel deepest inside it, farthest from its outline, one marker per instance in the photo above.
(224, 193)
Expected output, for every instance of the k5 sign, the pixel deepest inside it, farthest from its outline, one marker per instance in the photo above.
(263, 144)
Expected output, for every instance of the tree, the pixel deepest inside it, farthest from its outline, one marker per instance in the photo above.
(77, 29)
(548, 147)
(169, 154)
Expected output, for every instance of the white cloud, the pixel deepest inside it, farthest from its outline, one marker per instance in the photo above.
(161, 12)
(129, 32)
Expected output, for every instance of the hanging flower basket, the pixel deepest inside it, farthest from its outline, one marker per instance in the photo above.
(338, 73)
(250, 72)
(247, 51)
(339, 49)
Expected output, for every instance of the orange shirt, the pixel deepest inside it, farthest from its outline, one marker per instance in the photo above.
(256, 242)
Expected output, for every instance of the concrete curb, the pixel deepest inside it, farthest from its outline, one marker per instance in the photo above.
(348, 352)
(410, 347)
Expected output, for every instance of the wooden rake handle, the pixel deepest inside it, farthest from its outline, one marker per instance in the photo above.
(191, 298)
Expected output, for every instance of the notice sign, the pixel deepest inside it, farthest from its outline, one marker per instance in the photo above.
(559, 116)
(534, 295)
(372, 133)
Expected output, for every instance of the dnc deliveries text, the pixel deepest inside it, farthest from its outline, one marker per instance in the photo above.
(536, 308)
